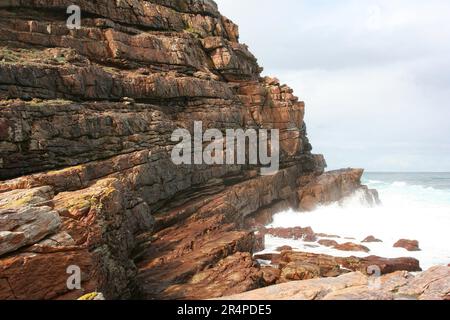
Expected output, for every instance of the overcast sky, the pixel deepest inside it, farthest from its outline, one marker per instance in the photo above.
(375, 75)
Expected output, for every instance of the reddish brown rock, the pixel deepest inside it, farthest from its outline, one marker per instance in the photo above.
(296, 233)
(327, 243)
(383, 265)
(264, 216)
(371, 239)
(271, 275)
(332, 187)
(349, 246)
(299, 271)
(410, 245)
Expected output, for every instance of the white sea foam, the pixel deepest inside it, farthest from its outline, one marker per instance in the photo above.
(408, 212)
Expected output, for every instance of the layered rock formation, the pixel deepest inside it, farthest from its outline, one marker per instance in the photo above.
(86, 118)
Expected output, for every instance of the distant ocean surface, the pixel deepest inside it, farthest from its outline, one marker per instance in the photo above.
(416, 206)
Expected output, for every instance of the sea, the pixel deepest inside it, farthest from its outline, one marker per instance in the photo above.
(415, 206)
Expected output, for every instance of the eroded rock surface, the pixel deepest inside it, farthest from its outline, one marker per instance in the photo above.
(333, 186)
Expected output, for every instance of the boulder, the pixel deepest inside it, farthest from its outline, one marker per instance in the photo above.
(349, 246)
(296, 233)
(327, 243)
(271, 275)
(410, 245)
(382, 265)
(371, 239)
(332, 187)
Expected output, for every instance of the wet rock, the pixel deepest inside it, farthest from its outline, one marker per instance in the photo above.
(299, 271)
(327, 243)
(371, 239)
(410, 245)
(332, 187)
(378, 264)
(296, 233)
(328, 265)
(349, 246)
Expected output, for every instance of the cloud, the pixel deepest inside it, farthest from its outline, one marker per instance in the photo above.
(375, 75)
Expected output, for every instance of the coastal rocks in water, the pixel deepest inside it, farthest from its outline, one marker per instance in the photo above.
(349, 246)
(377, 264)
(433, 284)
(333, 186)
(296, 233)
(327, 243)
(410, 245)
(371, 239)
(299, 271)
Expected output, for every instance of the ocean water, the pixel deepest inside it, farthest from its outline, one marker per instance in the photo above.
(414, 206)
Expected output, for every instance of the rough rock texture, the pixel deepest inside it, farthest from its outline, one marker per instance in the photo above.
(24, 226)
(302, 265)
(296, 233)
(371, 239)
(349, 246)
(86, 118)
(433, 284)
(333, 186)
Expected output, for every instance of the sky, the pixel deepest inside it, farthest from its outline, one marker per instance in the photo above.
(375, 75)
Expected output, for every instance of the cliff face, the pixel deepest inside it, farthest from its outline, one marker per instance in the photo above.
(86, 118)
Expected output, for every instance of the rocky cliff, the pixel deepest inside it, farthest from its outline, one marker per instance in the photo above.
(86, 117)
